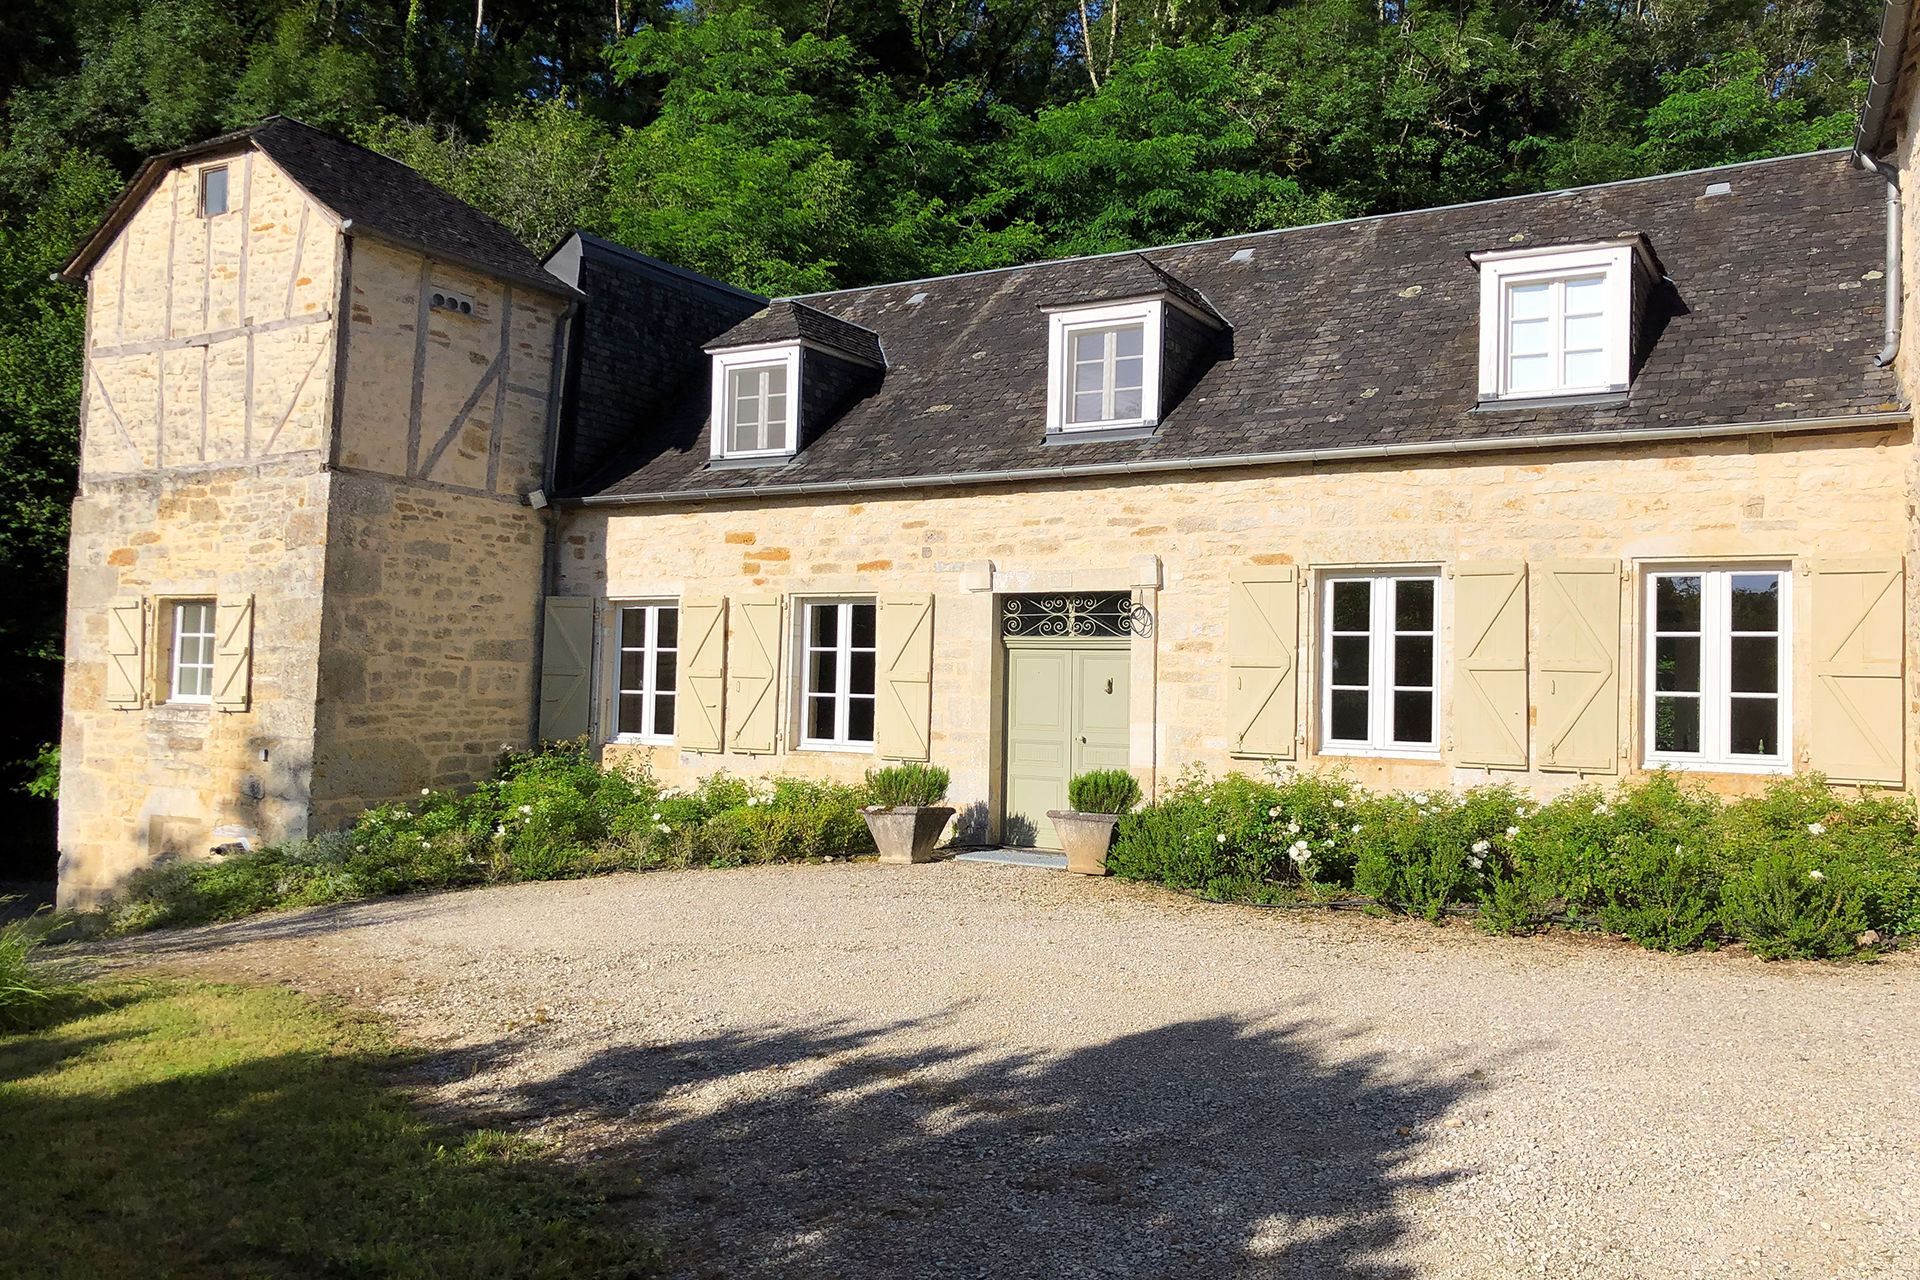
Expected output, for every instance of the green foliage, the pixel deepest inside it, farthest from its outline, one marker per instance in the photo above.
(32, 990)
(43, 772)
(1797, 870)
(1103, 791)
(552, 814)
(911, 783)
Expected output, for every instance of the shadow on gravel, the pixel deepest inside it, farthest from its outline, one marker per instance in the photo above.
(1202, 1148)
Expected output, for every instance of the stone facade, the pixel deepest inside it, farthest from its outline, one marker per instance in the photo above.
(1789, 498)
(361, 485)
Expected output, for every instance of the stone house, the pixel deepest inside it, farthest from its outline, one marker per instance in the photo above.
(1545, 489)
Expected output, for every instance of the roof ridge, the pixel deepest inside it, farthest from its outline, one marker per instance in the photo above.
(1334, 222)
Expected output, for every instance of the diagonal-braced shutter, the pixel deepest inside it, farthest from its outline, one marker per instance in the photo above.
(701, 687)
(126, 652)
(751, 672)
(233, 653)
(903, 719)
(1490, 664)
(1577, 691)
(1855, 724)
(1263, 627)
(566, 663)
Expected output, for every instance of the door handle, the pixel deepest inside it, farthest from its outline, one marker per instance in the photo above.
(1083, 740)
(1109, 684)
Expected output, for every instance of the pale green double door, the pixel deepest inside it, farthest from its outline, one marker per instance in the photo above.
(1066, 714)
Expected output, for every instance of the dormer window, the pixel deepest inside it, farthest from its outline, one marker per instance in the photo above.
(1104, 372)
(1556, 321)
(756, 396)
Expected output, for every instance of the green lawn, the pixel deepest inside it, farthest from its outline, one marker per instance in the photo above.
(185, 1129)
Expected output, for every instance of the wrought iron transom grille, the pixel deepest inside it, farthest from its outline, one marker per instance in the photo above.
(1105, 613)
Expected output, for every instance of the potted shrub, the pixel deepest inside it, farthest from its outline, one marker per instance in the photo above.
(1098, 799)
(904, 812)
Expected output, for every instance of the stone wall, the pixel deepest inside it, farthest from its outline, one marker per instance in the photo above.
(175, 779)
(435, 563)
(1786, 497)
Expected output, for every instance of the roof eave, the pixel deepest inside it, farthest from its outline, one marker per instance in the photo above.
(1883, 79)
(138, 187)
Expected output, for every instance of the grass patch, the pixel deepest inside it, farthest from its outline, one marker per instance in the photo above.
(187, 1129)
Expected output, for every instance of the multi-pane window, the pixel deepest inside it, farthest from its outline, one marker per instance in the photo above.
(1378, 659)
(1716, 667)
(1557, 335)
(190, 674)
(838, 673)
(213, 191)
(649, 636)
(758, 409)
(1108, 374)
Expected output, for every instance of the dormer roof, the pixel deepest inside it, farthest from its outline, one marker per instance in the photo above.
(788, 320)
(1131, 276)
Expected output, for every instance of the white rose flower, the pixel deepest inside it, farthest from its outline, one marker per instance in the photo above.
(425, 792)
(1816, 874)
(1420, 797)
(1512, 832)
(527, 809)
(1600, 808)
(1293, 828)
(1480, 846)
(1816, 829)
(1274, 812)
(1356, 828)
(1339, 804)
(1475, 863)
(1221, 838)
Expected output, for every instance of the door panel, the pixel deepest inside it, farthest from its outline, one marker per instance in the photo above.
(1066, 713)
(1039, 720)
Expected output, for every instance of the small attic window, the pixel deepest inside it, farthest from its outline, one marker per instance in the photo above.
(1104, 367)
(1555, 321)
(213, 190)
(756, 399)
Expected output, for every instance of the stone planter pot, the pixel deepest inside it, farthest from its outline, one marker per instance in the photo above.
(1085, 837)
(908, 833)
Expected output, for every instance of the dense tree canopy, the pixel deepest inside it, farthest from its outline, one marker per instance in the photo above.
(791, 145)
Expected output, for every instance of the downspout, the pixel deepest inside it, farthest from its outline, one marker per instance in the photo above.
(1891, 270)
(1882, 80)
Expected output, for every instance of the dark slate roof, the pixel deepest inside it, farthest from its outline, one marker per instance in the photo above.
(1133, 275)
(1357, 336)
(787, 320)
(377, 194)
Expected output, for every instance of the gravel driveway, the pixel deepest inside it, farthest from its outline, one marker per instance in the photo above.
(966, 1070)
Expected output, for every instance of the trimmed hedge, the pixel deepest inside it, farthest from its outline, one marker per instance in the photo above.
(1796, 871)
(554, 814)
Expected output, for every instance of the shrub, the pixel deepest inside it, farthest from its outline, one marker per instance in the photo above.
(907, 785)
(1659, 895)
(1103, 791)
(1423, 852)
(32, 991)
(1781, 904)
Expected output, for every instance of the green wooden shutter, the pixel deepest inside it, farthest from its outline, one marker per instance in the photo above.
(1855, 727)
(904, 708)
(126, 652)
(1489, 710)
(701, 687)
(233, 653)
(1263, 628)
(1577, 692)
(566, 663)
(751, 674)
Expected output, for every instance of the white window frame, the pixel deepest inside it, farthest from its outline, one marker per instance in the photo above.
(1064, 325)
(176, 620)
(844, 650)
(1381, 686)
(1499, 272)
(1716, 669)
(200, 190)
(720, 412)
(650, 650)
